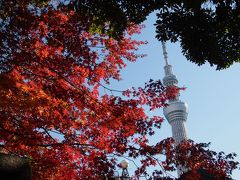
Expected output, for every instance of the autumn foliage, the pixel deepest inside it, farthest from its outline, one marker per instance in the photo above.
(56, 107)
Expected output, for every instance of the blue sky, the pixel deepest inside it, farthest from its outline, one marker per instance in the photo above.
(213, 96)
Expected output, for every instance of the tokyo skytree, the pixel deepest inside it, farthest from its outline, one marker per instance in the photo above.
(177, 111)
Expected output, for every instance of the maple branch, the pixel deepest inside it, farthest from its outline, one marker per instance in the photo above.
(46, 131)
(73, 85)
(101, 47)
(149, 155)
(16, 133)
(105, 87)
(11, 152)
(112, 90)
(71, 144)
(57, 132)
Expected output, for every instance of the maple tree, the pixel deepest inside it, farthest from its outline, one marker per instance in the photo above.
(53, 110)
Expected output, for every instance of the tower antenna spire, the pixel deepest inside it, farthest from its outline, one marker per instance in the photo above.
(165, 52)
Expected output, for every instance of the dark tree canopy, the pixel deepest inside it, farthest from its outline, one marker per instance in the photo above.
(208, 30)
(118, 13)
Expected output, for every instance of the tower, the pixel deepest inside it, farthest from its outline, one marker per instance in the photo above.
(176, 112)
